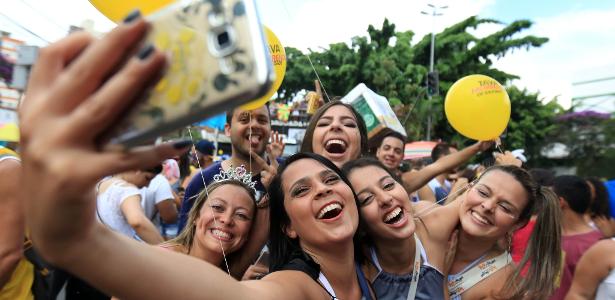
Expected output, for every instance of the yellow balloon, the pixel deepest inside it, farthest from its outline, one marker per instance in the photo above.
(116, 10)
(278, 59)
(478, 107)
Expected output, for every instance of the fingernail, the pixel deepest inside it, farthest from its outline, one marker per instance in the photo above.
(145, 52)
(133, 15)
(182, 144)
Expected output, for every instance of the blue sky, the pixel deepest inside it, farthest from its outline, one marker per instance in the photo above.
(508, 11)
(581, 33)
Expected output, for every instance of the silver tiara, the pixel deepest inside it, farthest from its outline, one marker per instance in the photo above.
(239, 174)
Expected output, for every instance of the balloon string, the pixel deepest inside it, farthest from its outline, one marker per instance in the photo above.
(455, 194)
(228, 270)
(308, 57)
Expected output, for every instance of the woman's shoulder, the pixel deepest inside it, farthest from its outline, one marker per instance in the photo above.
(291, 284)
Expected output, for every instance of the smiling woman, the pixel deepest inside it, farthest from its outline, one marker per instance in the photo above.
(498, 204)
(68, 109)
(218, 224)
(405, 253)
(337, 132)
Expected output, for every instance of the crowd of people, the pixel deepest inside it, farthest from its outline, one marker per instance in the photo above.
(333, 221)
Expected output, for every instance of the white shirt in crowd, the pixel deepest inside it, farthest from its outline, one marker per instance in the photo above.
(109, 205)
(158, 190)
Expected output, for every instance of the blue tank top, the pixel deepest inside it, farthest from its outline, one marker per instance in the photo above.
(389, 286)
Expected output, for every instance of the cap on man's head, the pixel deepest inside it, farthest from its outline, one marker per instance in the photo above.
(205, 147)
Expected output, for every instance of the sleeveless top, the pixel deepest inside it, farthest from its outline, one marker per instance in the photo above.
(606, 289)
(108, 207)
(392, 286)
(304, 263)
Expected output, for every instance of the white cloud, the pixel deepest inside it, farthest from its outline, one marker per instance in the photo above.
(318, 23)
(578, 41)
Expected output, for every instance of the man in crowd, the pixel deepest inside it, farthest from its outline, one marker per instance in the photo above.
(577, 235)
(440, 186)
(391, 151)
(249, 131)
(158, 202)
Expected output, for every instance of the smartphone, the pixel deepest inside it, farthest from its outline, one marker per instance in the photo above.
(218, 60)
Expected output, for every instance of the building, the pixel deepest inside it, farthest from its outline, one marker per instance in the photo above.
(9, 98)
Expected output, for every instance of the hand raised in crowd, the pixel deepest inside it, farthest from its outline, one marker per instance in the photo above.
(78, 89)
(507, 158)
(484, 145)
(606, 225)
(277, 144)
(268, 170)
(254, 272)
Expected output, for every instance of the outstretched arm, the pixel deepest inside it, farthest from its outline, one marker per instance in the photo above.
(413, 181)
(12, 219)
(73, 97)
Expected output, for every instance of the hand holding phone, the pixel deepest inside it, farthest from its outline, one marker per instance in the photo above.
(218, 60)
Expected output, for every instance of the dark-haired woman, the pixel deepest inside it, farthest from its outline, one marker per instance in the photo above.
(405, 252)
(66, 113)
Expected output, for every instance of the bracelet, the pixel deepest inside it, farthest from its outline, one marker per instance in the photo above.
(263, 202)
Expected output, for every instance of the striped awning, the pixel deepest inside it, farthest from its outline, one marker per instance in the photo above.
(418, 149)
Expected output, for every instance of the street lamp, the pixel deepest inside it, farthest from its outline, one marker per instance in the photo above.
(434, 13)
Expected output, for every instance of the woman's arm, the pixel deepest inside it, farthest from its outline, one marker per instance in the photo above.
(440, 221)
(167, 274)
(74, 97)
(425, 194)
(133, 212)
(12, 219)
(413, 181)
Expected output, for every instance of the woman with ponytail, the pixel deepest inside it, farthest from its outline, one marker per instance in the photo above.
(499, 203)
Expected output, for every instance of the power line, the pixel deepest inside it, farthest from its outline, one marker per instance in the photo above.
(38, 11)
(24, 28)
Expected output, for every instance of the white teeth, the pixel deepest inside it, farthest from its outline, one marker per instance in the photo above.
(392, 214)
(221, 234)
(480, 218)
(330, 142)
(329, 208)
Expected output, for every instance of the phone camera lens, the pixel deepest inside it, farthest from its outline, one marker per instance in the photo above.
(223, 40)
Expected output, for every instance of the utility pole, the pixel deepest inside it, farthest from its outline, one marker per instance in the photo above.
(434, 13)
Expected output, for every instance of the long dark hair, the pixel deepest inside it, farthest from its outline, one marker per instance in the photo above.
(306, 145)
(362, 238)
(281, 246)
(543, 252)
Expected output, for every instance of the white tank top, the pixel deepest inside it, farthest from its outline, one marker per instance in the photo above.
(109, 205)
(606, 289)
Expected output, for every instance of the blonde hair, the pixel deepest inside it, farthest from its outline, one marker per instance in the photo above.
(186, 237)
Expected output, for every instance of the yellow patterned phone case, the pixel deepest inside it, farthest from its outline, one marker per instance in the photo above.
(218, 60)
